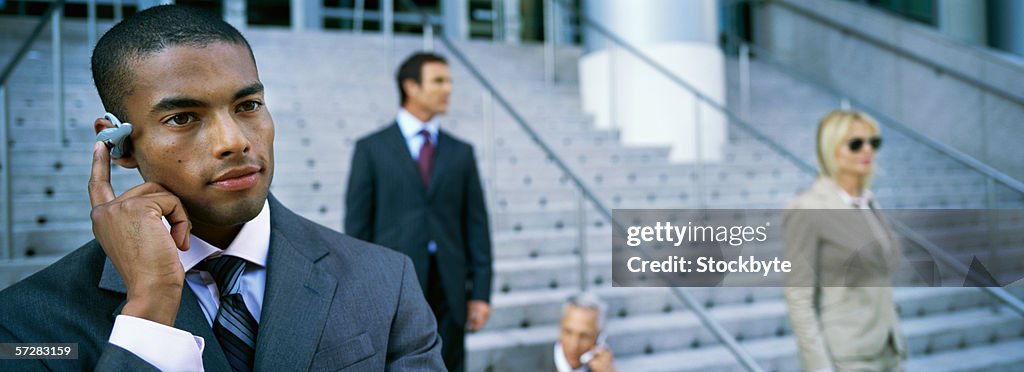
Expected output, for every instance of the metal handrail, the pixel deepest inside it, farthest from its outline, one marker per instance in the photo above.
(943, 148)
(705, 318)
(27, 44)
(49, 16)
(698, 310)
(1011, 96)
(997, 292)
(588, 22)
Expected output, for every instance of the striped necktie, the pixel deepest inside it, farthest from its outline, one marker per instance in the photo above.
(234, 327)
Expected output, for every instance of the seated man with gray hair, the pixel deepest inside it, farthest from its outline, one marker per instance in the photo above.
(581, 345)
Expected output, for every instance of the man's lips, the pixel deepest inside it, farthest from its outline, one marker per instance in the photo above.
(237, 178)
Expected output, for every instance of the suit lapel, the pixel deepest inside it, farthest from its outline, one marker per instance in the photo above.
(190, 317)
(406, 164)
(297, 298)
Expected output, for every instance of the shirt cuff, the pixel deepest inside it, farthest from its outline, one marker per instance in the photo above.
(166, 348)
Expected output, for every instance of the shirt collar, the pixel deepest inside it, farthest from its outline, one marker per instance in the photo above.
(411, 126)
(251, 244)
(561, 364)
(863, 200)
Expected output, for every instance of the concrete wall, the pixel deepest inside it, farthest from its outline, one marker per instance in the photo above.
(974, 121)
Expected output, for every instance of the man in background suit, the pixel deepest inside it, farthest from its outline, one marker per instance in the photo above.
(198, 267)
(416, 189)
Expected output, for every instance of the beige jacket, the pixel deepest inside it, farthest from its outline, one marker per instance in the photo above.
(854, 267)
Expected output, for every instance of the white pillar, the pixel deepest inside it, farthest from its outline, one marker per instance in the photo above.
(621, 91)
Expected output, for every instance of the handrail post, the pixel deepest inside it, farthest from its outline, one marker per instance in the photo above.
(428, 34)
(118, 11)
(387, 21)
(702, 184)
(58, 74)
(357, 16)
(745, 81)
(5, 163)
(990, 193)
(492, 151)
(91, 22)
(581, 237)
(550, 39)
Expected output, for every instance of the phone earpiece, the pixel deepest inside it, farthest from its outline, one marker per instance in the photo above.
(115, 138)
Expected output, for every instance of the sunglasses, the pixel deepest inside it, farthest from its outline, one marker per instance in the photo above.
(857, 143)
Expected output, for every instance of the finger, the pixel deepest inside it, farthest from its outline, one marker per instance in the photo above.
(144, 189)
(179, 232)
(100, 191)
(170, 207)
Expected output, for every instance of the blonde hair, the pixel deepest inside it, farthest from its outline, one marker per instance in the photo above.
(832, 129)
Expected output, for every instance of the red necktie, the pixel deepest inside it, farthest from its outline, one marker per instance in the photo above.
(426, 159)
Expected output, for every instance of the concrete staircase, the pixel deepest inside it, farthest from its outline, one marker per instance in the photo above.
(327, 89)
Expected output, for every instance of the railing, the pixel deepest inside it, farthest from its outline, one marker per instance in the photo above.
(944, 258)
(53, 16)
(585, 194)
(895, 49)
(991, 174)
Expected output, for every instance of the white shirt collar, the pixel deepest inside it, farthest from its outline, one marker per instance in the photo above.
(561, 364)
(863, 201)
(251, 244)
(411, 126)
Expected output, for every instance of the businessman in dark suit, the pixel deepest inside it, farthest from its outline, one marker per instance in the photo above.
(416, 189)
(232, 280)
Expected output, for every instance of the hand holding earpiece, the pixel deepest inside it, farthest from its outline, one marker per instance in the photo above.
(115, 138)
(602, 360)
(131, 230)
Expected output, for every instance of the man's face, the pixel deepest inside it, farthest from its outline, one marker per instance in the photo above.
(431, 94)
(578, 333)
(202, 131)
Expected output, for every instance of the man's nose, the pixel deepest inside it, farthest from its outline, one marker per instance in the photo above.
(227, 137)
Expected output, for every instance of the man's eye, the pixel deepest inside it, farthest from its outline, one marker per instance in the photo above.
(249, 106)
(181, 119)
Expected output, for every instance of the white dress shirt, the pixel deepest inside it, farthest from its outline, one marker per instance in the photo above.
(866, 203)
(172, 349)
(411, 127)
(561, 364)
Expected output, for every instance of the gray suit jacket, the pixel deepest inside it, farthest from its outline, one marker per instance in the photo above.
(855, 315)
(331, 303)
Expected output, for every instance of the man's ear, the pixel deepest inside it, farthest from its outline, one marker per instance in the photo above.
(410, 87)
(127, 161)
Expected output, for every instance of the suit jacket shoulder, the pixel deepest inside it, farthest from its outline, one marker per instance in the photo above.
(821, 194)
(75, 309)
(380, 134)
(361, 303)
(350, 252)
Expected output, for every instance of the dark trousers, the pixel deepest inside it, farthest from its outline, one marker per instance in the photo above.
(453, 335)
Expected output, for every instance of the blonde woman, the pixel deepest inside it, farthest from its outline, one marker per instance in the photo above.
(845, 255)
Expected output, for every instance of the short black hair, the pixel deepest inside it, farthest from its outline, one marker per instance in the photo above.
(412, 69)
(148, 32)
